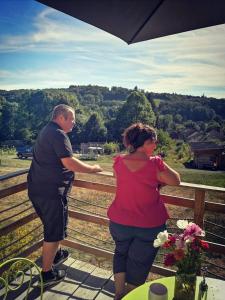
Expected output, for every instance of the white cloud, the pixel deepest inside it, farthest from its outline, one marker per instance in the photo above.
(183, 63)
(50, 32)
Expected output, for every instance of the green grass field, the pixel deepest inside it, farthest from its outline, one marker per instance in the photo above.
(10, 163)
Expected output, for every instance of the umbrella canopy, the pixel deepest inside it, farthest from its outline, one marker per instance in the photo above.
(139, 20)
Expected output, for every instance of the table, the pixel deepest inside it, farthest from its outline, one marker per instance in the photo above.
(216, 289)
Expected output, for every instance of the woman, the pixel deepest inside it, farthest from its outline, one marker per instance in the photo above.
(137, 213)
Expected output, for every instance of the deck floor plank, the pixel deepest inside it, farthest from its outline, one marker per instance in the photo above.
(93, 285)
(108, 290)
(76, 275)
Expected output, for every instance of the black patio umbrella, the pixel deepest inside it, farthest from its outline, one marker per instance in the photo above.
(139, 20)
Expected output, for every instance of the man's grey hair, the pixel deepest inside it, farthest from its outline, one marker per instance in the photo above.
(61, 109)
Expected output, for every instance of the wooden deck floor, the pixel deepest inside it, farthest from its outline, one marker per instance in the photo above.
(83, 281)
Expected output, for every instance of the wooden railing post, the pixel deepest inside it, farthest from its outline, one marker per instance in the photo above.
(199, 207)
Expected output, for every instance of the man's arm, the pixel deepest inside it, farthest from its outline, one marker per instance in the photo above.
(75, 165)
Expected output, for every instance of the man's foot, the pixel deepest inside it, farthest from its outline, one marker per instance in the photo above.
(60, 257)
(52, 277)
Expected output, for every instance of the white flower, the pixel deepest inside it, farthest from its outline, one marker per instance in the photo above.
(182, 224)
(162, 237)
(202, 233)
(157, 243)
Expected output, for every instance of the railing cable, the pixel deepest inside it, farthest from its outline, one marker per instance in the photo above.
(16, 251)
(19, 239)
(11, 207)
(86, 243)
(89, 211)
(214, 224)
(90, 236)
(216, 235)
(89, 203)
(19, 213)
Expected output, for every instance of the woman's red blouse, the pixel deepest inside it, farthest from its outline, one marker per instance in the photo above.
(137, 201)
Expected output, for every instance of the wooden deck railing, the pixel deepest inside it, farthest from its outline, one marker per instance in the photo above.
(198, 204)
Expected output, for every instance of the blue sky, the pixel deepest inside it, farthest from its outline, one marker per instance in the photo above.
(43, 48)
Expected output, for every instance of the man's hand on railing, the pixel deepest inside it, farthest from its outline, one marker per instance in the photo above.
(96, 168)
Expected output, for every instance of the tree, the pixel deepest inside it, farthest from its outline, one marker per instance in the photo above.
(202, 113)
(136, 109)
(94, 129)
(165, 122)
(165, 141)
(89, 99)
(178, 132)
(76, 136)
(41, 104)
(178, 118)
(8, 120)
(183, 151)
(110, 148)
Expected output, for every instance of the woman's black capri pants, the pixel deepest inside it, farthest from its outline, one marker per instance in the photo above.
(134, 252)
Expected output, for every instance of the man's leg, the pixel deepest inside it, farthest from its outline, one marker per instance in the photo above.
(49, 250)
(55, 216)
(50, 210)
(50, 275)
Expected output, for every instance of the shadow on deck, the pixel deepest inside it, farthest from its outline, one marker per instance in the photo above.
(83, 281)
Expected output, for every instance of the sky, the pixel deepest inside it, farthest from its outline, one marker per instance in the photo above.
(41, 47)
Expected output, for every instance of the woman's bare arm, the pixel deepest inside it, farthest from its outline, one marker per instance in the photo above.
(169, 176)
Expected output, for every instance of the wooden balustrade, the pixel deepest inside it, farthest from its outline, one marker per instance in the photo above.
(198, 204)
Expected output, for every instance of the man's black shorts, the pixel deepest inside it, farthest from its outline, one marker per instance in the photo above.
(52, 208)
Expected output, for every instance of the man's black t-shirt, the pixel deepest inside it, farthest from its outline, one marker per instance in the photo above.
(47, 171)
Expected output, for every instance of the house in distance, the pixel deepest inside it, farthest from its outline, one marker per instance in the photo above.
(208, 155)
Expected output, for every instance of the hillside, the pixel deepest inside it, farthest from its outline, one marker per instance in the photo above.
(185, 118)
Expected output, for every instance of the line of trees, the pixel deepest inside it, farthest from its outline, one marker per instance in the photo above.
(103, 113)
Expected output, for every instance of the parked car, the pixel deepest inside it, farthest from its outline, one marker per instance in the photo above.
(24, 152)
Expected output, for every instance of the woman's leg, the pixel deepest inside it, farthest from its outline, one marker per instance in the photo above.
(141, 256)
(122, 236)
(129, 287)
(119, 281)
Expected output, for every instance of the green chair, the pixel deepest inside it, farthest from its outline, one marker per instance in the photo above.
(13, 274)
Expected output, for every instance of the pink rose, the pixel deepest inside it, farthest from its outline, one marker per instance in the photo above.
(192, 229)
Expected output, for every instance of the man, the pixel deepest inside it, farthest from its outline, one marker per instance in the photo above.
(49, 181)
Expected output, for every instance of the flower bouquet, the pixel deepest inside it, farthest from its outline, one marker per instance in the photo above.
(185, 252)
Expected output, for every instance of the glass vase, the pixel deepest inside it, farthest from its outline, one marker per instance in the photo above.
(184, 288)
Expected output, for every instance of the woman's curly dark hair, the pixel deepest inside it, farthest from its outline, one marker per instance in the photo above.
(135, 135)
